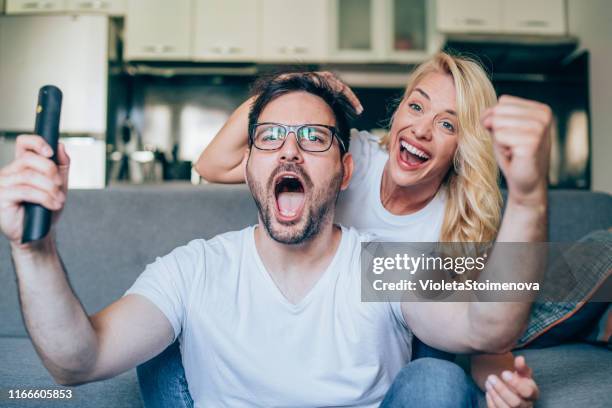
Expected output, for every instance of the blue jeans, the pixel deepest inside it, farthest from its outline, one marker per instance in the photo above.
(162, 380)
(424, 382)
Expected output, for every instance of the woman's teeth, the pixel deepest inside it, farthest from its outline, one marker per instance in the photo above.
(414, 150)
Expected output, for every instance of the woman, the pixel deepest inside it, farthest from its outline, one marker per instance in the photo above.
(433, 177)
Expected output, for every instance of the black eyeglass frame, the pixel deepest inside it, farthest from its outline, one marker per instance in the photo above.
(295, 130)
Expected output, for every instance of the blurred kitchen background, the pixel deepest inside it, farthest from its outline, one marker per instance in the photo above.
(148, 83)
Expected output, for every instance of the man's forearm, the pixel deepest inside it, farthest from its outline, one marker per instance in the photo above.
(55, 319)
(497, 325)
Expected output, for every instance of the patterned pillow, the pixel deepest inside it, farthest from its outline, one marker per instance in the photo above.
(588, 318)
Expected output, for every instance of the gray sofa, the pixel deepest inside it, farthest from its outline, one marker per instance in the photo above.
(107, 237)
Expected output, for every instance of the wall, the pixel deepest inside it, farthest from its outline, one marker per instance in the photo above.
(590, 22)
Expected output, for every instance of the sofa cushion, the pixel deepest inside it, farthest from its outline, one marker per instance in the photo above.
(107, 237)
(572, 375)
(22, 369)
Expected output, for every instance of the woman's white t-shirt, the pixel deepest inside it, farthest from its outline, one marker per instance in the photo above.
(359, 205)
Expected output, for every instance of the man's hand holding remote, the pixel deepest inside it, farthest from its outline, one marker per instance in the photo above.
(75, 347)
(32, 177)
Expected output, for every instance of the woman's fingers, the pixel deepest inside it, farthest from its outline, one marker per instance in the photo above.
(521, 367)
(497, 400)
(501, 389)
(524, 387)
(341, 87)
(490, 403)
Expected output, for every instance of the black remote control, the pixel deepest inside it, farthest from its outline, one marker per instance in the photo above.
(37, 219)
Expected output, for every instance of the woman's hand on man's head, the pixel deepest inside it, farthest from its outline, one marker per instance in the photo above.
(338, 86)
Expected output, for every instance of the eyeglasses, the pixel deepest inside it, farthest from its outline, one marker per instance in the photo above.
(310, 137)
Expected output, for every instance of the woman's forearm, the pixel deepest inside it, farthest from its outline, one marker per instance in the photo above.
(222, 160)
(519, 256)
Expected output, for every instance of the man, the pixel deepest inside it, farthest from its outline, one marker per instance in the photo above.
(268, 316)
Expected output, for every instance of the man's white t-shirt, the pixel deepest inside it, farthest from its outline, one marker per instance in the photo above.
(243, 344)
(359, 205)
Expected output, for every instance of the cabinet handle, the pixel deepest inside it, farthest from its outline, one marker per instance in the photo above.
(95, 5)
(534, 23)
(474, 21)
(34, 5)
(158, 49)
(293, 50)
(225, 50)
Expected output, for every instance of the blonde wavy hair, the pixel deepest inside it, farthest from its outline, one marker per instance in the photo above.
(474, 201)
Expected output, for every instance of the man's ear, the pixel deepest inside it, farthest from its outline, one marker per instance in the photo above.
(347, 163)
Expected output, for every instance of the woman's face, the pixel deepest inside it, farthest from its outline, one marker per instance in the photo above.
(424, 133)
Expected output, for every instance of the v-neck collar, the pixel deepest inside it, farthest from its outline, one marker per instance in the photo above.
(330, 273)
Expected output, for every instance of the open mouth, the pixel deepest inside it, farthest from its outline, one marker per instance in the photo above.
(290, 196)
(411, 156)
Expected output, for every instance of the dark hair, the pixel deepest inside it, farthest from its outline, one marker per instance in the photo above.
(267, 89)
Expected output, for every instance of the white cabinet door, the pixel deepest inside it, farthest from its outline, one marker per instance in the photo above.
(109, 7)
(225, 30)
(356, 28)
(534, 17)
(469, 16)
(294, 30)
(158, 30)
(69, 52)
(34, 6)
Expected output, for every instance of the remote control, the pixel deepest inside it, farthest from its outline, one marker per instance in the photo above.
(37, 219)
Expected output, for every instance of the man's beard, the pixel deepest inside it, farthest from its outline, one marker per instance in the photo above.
(317, 213)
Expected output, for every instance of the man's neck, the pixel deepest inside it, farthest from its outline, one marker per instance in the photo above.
(296, 268)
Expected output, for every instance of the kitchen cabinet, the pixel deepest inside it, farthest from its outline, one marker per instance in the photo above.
(502, 16)
(411, 35)
(221, 33)
(158, 30)
(294, 30)
(34, 6)
(356, 30)
(108, 7)
(382, 30)
(66, 51)
(469, 16)
(534, 17)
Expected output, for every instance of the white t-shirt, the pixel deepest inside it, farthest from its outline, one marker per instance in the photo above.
(243, 344)
(359, 205)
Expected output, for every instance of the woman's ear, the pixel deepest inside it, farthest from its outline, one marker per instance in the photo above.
(347, 164)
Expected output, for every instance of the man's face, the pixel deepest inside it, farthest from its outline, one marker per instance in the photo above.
(295, 190)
